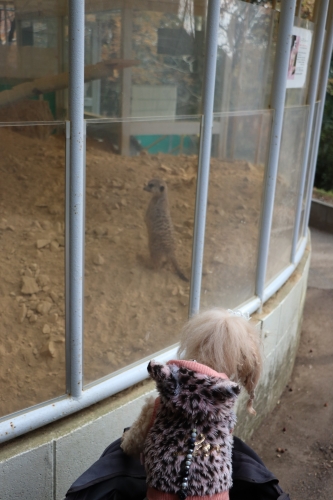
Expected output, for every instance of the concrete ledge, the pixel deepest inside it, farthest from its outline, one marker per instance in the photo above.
(42, 465)
(321, 216)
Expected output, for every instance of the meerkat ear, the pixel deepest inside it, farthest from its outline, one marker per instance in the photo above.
(161, 189)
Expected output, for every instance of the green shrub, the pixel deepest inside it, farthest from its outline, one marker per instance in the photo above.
(324, 172)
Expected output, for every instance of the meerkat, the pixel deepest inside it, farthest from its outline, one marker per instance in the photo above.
(161, 240)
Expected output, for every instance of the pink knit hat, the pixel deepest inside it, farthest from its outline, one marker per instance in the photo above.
(197, 367)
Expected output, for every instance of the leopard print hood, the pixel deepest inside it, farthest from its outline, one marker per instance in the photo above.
(193, 389)
(194, 419)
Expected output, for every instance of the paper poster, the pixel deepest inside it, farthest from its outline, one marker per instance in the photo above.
(299, 57)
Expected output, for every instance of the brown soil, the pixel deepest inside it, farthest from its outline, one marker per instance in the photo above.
(131, 311)
(296, 440)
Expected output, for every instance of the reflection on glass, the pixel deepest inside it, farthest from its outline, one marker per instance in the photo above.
(160, 59)
(131, 309)
(234, 203)
(32, 307)
(289, 171)
(308, 173)
(247, 40)
(31, 48)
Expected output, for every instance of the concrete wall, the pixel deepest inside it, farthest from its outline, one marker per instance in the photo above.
(43, 464)
(321, 216)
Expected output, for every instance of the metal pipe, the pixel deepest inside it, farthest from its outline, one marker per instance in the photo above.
(213, 18)
(311, 101)
(76, 203)
(27, 420)
(67, 267)
(277, 103)
(326, 63)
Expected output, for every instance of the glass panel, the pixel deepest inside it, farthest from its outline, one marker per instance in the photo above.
(240, 149)
(247, 40)
(289, 170)
(32, 307)
(160, 58)
(32, 48)
(131, 309)
(306, 189)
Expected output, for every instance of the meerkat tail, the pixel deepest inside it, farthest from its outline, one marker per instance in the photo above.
(178, 270)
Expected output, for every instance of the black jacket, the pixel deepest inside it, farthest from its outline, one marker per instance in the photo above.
(116, 476)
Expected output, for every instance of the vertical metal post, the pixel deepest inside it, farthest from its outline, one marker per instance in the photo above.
(325, 68)
(67, 266)
(278, 97)
(213, 18)
(312, 95)
(126, 78)
(76, 190)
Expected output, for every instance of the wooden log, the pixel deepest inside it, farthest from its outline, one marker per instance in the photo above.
(60, 82)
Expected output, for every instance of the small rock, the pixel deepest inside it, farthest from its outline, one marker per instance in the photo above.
(218, 259)
(33, 318)
(61, 241)
(99, 232)
(43, 280)
(29, 286)
(98, 260)
(49, 350)
(54, 247)
(54, 317)
(23, 313)
(44, 307)
(42, 243)
(12, 294)
(46, 329)
(54, 296)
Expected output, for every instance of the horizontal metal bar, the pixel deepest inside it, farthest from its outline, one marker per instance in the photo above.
(30, 124)
(173, 118)
(21, 422)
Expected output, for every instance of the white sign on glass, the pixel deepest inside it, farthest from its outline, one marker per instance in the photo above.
(299, 57)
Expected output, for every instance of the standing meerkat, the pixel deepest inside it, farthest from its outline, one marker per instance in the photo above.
(161, 240)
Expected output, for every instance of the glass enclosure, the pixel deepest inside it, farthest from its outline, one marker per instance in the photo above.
(144, 67)
(32, 307)
(142, 313)
(233, 212)
(290, 164)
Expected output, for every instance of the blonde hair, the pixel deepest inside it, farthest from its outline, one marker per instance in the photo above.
(226, 343)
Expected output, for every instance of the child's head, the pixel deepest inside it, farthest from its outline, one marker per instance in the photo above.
(226, 342)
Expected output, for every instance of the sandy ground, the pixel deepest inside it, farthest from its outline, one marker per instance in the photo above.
(296, 440)
(131, 311)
